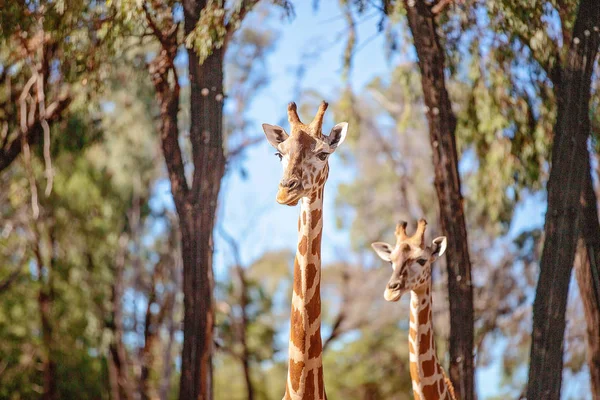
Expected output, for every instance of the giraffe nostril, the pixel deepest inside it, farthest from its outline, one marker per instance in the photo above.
(394, 285)
(293, 184)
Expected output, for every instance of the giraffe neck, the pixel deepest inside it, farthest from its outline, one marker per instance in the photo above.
(305, 368)
(429, 382)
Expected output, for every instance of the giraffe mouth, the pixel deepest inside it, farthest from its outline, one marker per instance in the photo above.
(392, 295)
(288, 197)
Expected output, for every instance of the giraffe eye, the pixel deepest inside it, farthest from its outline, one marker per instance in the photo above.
(322, 156)
(422, 261)
(278, 154)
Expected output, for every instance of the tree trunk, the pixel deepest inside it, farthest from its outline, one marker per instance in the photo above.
(165, 384)
(170, 310)
(562, 226)
(150, 331)
(586, 272)
(244, 331)
(45, 300)
(442, 124)
(592, 316)
(119, 375)
(195, 204)
(206, 136)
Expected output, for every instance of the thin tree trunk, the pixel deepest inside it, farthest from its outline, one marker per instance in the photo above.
(244, 331)
(562, 226)
(119, 375)
(165, 384)
(45, 300)
(442, 125)
(170, 312)
(113, 379)
(586, 272)
(240, 327)
(150, 331)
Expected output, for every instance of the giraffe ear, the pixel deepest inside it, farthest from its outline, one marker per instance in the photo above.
(337, 135)
(383, 250)
(275, 134)
(438, 246)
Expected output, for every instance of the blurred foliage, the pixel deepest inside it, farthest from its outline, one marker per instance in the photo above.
(387, 124)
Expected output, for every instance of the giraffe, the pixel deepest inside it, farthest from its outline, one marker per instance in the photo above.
(411, 263)
(304, 156)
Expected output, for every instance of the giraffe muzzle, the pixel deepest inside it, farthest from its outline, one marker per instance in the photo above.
(290, 191)
(394, 289)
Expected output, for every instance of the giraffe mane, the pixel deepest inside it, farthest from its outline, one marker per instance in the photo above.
(449, 385)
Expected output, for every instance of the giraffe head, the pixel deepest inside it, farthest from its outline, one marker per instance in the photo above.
(303, 154)
(411, 260)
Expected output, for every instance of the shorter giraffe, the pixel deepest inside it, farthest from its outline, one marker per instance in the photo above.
(411, 263)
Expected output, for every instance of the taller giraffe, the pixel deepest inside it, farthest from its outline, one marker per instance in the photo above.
(411, 263)
(304, 154)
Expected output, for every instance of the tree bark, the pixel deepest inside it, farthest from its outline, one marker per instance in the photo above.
(442, 125)
(584, 278)
(119, 375)
(206, 136)
(45, 301)
(244, 331)
(563, 217)
(150, 332)
(586, 272)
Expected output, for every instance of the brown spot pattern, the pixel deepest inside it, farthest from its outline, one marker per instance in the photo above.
(296, 369)
(315, 346)
(316, 244)
(428, 367)
(320, 382)
(424, 315)
(311, 273)
(430, 392)
(297, 278)
(323, 178)
(309, 386)
(303, 217)
(425, 342)
(441, 386)
(315, 217)
(313, 307)
(302, 247)
(297, 333)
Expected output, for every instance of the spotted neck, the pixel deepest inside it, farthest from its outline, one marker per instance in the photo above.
(429, 381)
(305, 368)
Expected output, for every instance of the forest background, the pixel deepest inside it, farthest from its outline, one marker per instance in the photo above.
(95, 239)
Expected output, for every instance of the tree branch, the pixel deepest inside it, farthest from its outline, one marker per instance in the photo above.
(6, 283)
(53, 113)
(236, 20)
(236, 151)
